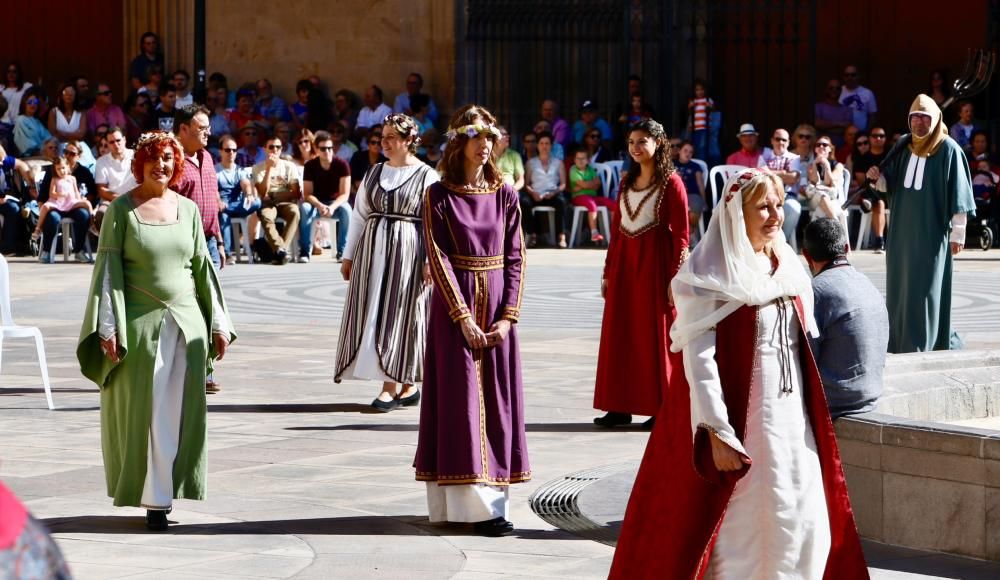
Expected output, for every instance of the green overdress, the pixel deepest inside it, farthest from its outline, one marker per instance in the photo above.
(171, 263)
(918, 252)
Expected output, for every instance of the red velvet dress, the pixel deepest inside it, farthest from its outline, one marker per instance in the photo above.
(678, 493)
(634, 363)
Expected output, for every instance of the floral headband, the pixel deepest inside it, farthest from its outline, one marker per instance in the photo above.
(152, 137)
(741, 182)
(471, 131)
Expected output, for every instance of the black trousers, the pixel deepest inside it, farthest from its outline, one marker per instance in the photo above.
(528, 217)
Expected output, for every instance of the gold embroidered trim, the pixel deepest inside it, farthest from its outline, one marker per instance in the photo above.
(481, 304)
(650, 225)
(461, 189)
(518, 477)
(476, 263)
(511, 313)
(435, 258)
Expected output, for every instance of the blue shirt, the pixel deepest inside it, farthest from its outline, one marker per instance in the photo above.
(853, 338)
(580, 129)
(229, 182)
(688, 172)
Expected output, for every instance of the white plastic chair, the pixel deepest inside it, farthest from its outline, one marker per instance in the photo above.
(607, 175)
(241, 232)
(331, 230)
(603, 219)
(551, 213)
(616, 176)
(704, 175)
(10, 330)
(65, 230)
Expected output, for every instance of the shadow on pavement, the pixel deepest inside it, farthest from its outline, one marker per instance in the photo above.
(531, 427)
(295, 408)
(350, 526)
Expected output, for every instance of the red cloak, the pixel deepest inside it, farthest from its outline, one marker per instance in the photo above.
(634, 362)
(685, 500)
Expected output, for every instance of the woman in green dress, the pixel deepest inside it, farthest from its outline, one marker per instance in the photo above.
(155, 320)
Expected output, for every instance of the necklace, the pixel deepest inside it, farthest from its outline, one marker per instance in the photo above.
(634, 213)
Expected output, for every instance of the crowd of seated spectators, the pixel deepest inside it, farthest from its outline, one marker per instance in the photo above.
(315, 147)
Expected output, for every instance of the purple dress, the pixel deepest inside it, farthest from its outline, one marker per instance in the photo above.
(472, 413)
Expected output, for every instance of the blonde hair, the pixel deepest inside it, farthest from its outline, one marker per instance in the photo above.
(757, 190)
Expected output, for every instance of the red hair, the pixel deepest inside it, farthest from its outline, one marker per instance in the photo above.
(150, 147)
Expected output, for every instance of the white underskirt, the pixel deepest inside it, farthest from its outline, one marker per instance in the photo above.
(776, 526)
(477, 502)
(366, 365)
(169, 372)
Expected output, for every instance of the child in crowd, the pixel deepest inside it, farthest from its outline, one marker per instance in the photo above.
(64, 195)
(583, 185)
(300, 107)
(694, 182)
(700, 109)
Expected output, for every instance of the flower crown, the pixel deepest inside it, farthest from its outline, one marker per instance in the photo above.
(471, 131)
(405, 125)
(152, 137)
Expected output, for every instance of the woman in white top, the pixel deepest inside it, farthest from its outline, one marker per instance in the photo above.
(544, 184)
(65, 122)
(13, 90)
(384, 326)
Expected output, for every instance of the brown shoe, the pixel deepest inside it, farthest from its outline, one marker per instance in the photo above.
(317, 251)
(212, 387)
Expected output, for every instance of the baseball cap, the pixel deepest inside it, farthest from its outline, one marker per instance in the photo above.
(588, 105)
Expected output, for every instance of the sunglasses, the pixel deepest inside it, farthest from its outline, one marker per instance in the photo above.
(274, 147)
(229, 149)
(304, 142)
(326, 148)
(32, 101)
(860, 143)
(374, 141)
(103, 93)
(800, 137)
(821, 144)
(69, 153)
(878, 135)
(594, 136)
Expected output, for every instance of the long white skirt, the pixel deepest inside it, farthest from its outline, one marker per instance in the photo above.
(366, 365)
(476, 502)
(169, 372)
(777, 526)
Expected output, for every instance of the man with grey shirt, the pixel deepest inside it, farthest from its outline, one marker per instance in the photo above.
(852, 319)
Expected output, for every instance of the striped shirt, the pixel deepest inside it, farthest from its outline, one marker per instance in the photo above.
(700, 111)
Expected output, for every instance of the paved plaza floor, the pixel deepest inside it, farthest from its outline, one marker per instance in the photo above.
(304, 479)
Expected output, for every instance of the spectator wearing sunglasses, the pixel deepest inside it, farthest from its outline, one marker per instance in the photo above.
(237, 193)
(250, 152)
(29, 131)
(326, 188)
(104, 112)
(277, 183)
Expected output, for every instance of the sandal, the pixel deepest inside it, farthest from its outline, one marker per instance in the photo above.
(211, 386)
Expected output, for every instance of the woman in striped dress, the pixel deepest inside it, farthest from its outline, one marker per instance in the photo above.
(383, 329)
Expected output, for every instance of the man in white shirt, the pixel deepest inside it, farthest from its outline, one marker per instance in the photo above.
(181, 81)
(113, 174)
(785, 165)
(860, 99)
(374, 111)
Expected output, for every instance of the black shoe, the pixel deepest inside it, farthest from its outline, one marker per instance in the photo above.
(156, 520)
(612, 419)
(493, 528)
(648, 423)
(409, 401)
(384, 406)
(280, 258)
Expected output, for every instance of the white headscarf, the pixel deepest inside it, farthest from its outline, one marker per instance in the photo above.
(723, 272)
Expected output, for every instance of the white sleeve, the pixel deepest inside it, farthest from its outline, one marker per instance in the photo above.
(708, 409)
(106, 323)
(219, 323)
(358, 219)
(958, 223)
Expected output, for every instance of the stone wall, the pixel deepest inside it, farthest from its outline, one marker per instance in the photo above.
(349, 44)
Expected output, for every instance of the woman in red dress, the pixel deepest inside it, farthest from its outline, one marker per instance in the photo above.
(634, 364)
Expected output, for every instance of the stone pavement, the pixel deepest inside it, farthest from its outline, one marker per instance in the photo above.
(304, 480)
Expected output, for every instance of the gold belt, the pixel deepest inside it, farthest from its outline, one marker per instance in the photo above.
(476, 263)
(166, 303)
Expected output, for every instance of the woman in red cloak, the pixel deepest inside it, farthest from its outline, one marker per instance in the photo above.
(634, 363)
(758, 492)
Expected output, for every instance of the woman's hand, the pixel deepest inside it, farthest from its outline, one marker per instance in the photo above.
(725, 457)
(498, 332)
(670, 294)
(345, 269)
(474, 336)
(427, 275)
(221, 344)
(110, 348)
(604, 287)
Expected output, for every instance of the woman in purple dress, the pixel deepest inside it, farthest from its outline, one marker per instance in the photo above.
(471, 445)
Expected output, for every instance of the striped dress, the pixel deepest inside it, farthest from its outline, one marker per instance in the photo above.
(384, 325)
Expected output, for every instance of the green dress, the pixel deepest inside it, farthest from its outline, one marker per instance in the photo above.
(918, 253)
(150, 268)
